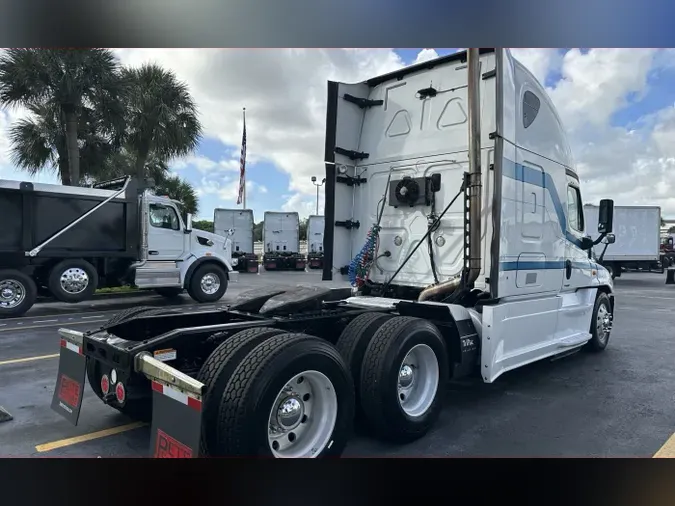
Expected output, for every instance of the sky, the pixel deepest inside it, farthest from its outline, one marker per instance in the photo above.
(618, 106)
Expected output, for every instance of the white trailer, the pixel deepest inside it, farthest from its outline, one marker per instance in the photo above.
(453, 205)
(281, 241)
(315, 231)
(637, 232)
(238, 223)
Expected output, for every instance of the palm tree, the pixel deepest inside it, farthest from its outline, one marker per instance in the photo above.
(178, 189)
(60, 84)
(161, 115)
(39, 142)
(112, 164)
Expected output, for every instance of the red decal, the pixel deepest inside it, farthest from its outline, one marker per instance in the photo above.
(63, 343)
(194, 403)
(169, 448)
(157, 387)
(69, 391)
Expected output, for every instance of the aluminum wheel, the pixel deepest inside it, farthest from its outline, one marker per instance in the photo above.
(74, 280)
(210, 283)
(303, 416)
(418, 379)
(12, 293)
(603, 323)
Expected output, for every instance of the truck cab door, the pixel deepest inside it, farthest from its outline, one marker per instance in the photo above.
(165, 233)
(577, 270)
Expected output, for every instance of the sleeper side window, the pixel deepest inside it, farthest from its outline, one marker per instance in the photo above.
(575, 213)
(531, 105)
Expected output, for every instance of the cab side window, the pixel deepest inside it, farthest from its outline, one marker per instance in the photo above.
(164, 217)
(575, 213)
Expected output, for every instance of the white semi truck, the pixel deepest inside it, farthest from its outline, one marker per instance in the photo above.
(238, 224)
(68, 241)
(637, 245)
(453, 207)
(315, 231)
(281, 242)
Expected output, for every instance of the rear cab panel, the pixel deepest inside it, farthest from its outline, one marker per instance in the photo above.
(315, 233)
(281, 241)
(406, 135)
(241, 221)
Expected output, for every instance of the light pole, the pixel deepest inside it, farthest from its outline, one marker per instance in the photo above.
(317, 191)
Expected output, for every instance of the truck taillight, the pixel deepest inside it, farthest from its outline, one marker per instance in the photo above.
(120, 393)
(105, 384)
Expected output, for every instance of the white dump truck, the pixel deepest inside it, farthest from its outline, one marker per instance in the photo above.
(281, 242)
(315, 228)
(68, 241)
(637, 244)
(455, 211)
(238, 224)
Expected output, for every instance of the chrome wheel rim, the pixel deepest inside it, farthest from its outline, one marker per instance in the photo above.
(303, 416)
(12, 293)
(74, 280)
(418, 380)
(603, 323)
(210, 283)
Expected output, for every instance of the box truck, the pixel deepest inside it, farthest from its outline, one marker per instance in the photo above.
(637, 245)
(281, 241)
(456, 213)
(315, 228)
(238, 224)
(69, 241)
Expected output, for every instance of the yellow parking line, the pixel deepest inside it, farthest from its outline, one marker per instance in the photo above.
(667, 451)
(46, 447)
(27, 359)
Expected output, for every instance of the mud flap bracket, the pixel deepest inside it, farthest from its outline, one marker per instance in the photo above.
(176, 409)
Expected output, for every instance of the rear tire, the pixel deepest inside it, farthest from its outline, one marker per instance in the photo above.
(306, 377)
(208, 283)
(73, 281)
(610, 270)
(601, 324)
(354, 341)
(17, 293)
(404, 370)
(217, 371)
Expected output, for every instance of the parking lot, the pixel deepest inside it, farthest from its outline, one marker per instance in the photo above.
(615, 404)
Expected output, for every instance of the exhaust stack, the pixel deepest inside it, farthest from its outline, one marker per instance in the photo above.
(472, 259)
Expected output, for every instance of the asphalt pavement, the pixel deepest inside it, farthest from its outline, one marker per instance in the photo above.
(618, 403)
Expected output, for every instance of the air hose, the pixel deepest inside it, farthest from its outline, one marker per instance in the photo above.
(359, 268)
(360, 265)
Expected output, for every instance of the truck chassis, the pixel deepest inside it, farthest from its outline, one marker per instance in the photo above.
(304, 353)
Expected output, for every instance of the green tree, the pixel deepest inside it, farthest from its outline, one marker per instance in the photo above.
(161, 115)
(205, 225)
(69, 92)
(178, 189)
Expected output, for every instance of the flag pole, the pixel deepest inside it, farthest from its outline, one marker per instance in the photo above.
(244, 114)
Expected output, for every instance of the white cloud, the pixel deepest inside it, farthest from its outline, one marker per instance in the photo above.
(426, 55)
(303, 204)
(284, 92)
(538, 61)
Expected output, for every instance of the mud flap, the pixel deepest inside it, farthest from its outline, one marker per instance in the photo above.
(176, 410)
(67, 399)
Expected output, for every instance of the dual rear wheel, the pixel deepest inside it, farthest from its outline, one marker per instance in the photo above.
(271, 393)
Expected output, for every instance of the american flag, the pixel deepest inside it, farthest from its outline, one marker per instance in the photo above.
(242, 165)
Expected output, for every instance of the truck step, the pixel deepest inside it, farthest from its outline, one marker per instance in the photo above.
(158, 275)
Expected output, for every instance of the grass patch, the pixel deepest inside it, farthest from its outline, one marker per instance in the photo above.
(117, 289)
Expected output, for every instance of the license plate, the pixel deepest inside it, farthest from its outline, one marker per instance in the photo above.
(67, 399)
